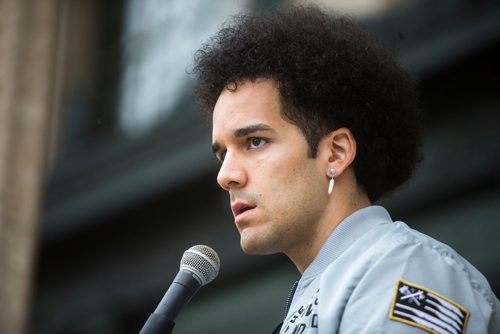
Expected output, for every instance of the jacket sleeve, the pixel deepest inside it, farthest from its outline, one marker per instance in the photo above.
(410, 288)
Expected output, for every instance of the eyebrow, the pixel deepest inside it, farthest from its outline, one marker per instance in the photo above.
(241, 132)
(245, 131)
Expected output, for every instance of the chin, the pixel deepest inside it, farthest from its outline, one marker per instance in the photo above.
(258, 240)
(254, 247)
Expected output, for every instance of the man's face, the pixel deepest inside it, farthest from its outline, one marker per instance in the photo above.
(278, 194)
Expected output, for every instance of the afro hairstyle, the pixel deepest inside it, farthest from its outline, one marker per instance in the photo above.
(331, 73)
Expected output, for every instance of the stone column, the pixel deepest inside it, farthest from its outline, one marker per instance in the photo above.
(27, 61)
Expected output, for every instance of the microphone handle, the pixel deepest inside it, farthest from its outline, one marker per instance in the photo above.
(158, 324)
(180, 292)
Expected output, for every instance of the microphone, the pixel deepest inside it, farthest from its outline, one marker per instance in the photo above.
(199, 266)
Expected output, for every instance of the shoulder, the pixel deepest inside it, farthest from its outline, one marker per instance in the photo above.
(417, 256)
(392, 265)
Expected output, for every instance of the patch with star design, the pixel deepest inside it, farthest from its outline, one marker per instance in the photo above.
(423, 308)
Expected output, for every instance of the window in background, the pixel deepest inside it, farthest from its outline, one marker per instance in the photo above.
(159, 41)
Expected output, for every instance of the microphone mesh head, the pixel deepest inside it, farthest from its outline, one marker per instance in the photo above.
(202, 261)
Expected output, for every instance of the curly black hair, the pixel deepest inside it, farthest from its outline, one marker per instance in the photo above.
(331, 73)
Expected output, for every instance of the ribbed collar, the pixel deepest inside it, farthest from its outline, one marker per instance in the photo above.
(344, 235)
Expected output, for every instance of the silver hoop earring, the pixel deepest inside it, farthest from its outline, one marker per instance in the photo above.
(331, 173)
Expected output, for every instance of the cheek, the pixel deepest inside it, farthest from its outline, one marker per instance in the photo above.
(286, 180)
(296, 191)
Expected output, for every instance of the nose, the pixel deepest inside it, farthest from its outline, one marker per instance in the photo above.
(231, 174)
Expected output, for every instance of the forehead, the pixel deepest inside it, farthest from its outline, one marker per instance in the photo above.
(252, 102)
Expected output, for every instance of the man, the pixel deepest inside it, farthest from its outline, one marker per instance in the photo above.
(313, 121)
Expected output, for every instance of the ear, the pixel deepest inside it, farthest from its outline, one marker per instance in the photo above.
(338, 149)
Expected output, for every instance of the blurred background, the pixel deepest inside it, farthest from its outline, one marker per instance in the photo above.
(127, 179)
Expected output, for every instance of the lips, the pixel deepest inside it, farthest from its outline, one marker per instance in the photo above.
(240, 208)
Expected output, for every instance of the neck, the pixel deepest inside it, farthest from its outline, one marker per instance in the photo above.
(341, 204)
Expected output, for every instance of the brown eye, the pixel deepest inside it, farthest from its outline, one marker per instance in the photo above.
(257, 142)
(222, 156)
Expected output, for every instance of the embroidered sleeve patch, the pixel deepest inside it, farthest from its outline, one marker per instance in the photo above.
(420, 307)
